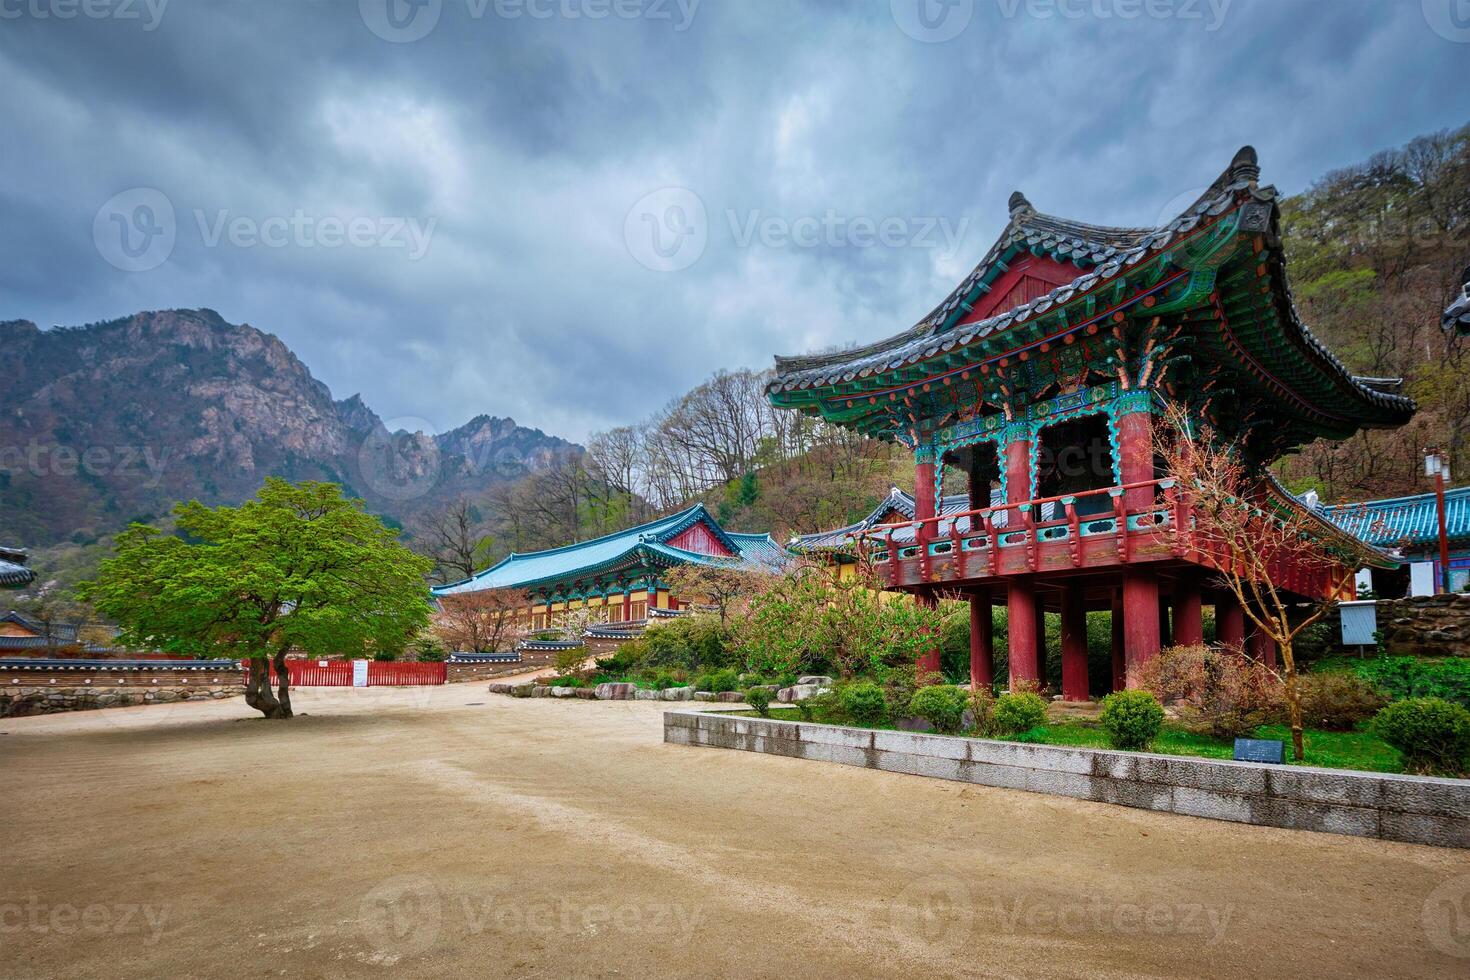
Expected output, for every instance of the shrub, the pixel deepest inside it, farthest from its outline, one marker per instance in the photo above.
(941, 705)
(385, 656)
(864, 703)
(1406, 677)
(759, 698)
(821, 707)
(1432, 734)
(1219, 692)
(1337, 701)
(620, 664)
(428, 650)
(1015, 713)
(717, 681)
(982, 710)
(1132, 719)
(570, 662)
(689, 643)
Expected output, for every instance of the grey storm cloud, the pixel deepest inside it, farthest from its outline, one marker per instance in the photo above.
(571, 211)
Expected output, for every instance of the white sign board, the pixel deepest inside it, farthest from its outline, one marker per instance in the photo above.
(1364, 581)
(359, 673)
(1421, 578)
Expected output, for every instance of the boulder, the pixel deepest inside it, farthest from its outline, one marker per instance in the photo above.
(541, 691)
(616, 692)
(703, 696)
(677, 694)
(642, 695)
(730, 697)
(563, 692)
(521, 690)
(585, 693)
(501, 687)
(817, 680)
(800, 692)
(914, 724)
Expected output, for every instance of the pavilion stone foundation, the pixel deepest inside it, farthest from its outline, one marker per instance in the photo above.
(16, 702)
(1413, 809)
(1426, 626)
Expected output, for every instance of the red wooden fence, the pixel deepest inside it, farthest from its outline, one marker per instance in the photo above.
(339, 673)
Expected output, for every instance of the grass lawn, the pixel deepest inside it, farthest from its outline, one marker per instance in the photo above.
(1330, 750)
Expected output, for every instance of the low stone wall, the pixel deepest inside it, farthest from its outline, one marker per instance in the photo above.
(16, 702)
(1426, 626)
(456, 673)
(1416, 809)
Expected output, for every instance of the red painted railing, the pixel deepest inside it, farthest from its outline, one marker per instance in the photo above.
(339, 673)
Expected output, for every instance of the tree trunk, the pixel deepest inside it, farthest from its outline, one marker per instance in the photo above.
(1293, 702)
(258, 688)
(283, 688)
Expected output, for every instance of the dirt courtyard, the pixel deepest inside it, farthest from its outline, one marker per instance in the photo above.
(450, 832)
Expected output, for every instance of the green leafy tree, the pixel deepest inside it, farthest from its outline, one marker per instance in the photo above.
(299, 567)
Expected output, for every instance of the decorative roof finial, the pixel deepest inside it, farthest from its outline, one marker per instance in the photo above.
(1019, 203)
(1245, 165)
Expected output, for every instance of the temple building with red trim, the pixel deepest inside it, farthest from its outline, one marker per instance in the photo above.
(1042, 377)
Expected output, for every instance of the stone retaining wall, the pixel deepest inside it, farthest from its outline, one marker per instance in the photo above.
(16, 702)
(1416, 809)
(1426, 626)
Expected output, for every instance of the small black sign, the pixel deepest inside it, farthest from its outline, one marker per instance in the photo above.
(1260, 750)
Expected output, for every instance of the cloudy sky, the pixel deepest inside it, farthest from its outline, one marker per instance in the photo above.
(570, 211)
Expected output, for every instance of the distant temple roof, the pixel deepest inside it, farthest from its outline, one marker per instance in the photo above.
(1457, 314)
(1411, 523)
(663, 543)
(1220, 262)
(13, 571)
(897, 500)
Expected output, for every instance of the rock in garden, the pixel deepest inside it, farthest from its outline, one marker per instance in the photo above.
(540, 691)
(730, 697)
(703, 696)
(678, 694)
(616, 692)
(817, 679)
(563, 692)
(585, 693)
(642, 695)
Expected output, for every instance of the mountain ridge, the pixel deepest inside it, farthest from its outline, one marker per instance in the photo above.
(118, 420)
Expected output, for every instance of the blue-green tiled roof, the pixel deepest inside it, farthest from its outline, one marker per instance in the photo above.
(636, 547)
(1405, 522)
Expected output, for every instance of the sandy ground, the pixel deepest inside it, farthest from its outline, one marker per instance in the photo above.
(416, 833)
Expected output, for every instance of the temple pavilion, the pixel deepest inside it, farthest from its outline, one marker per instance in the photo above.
(619, 576)
(1041, 377)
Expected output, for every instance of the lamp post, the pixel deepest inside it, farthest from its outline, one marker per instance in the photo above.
(1437, 466)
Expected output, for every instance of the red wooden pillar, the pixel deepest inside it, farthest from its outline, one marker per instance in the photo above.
(1120, 673)
(627, 605)
(1141, 634)
(982, 641)
(1260, 646)
(1021, 629)
(1040, 638)
(925, 509)
(1189, 614)
(1140, 621)
(1074, 644)
(1229, 621)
